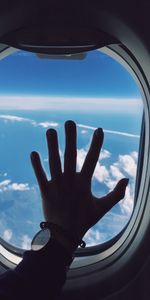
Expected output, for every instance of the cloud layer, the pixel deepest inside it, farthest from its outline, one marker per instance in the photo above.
(21, 200)
(125, 166)
(105, 175)
(12, 118)
(47, 124)
(71, 103)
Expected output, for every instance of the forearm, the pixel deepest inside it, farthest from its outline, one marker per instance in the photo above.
(41, 274)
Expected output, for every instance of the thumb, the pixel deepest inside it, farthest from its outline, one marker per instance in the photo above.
(105, 203)
(120, 188)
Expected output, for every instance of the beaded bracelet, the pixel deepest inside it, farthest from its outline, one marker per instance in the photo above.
(66, 234)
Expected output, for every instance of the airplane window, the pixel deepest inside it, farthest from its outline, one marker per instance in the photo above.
(38, 92)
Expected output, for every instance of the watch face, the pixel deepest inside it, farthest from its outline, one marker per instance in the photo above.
(41, 239)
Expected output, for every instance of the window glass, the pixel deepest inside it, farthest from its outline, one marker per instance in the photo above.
(37, 93)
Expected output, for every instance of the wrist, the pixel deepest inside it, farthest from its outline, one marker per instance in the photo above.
(63, 241)
(63, 237)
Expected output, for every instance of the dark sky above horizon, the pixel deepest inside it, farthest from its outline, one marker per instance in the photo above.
(97, 75)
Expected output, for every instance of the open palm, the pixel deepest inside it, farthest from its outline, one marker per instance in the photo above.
(67, 198)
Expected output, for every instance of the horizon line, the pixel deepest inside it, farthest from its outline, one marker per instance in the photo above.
(130, 105)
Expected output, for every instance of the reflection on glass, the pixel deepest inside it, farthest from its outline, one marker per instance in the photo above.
(38, 93)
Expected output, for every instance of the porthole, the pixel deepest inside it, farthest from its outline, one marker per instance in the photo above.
(38, 92)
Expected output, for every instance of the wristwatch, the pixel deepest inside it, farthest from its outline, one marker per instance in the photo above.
(44, 235)
(41, 239)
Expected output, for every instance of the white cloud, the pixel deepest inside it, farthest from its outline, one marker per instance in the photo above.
(7, 235)
(81, 154)
(105, 229)
(115, 172)
(93, 237)
(116, 218)
(60, 153)
(6, 185)
(122, 133)
(28, 102)
(21, 206)
(127, 203)
(128, 163)
(47, 124)
(26, 242)
(134, 154)
(13, 118)
(45, 159)
(104, 154)
(19, 186)
(110, 131)
(110, 183)
(83, 131)
(125, 165)
(3, 174)
(86, 126)
(101, 173)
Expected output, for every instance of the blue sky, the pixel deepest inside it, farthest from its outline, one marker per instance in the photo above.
(98, 75)
(36, 94)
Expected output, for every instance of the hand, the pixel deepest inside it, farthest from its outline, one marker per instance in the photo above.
(67, 198)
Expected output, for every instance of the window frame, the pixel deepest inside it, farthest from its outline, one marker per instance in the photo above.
(123, 259)
(95, 267)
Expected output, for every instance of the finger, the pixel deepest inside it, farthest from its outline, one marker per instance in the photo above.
(53, 152)
(38, 170)
(106, 203)
(93, 154)
(70, 149)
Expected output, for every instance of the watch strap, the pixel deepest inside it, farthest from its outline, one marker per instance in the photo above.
(60, 252)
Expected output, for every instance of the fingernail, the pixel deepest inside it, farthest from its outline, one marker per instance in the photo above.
(33, 154)
(51, 131)
(99, 131)
(69, 123)
(126, 181)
